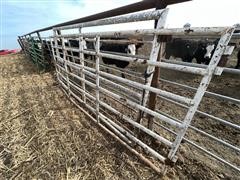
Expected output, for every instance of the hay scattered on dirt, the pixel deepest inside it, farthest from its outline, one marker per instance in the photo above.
(44, 136)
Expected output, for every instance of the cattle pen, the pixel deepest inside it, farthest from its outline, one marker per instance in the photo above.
(163, 110)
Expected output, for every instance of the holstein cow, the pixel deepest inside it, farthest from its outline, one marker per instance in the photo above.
(187, 50)
(204, 52)
(111, 48)
(118, 48)
(210, 49)
(180, 48)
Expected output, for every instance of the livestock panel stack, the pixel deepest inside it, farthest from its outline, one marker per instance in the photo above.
(37, 50)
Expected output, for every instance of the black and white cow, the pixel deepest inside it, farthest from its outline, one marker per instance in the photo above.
(129, 49)
(187, 50)
(180, 48)
(117, 48)
(204, 52)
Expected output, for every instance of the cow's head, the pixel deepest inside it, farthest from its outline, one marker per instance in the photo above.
(84, 44)
(209, 51)
(131, 49)
(134, 46)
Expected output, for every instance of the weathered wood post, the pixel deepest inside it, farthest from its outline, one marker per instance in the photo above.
(155, 80)
(151, 70)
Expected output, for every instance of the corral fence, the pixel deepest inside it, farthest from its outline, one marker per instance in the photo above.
(36, 50)
(131, 108)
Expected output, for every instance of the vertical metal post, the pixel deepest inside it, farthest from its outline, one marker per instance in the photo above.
(27, 46)
(49, 48)
(153, 57)
(39, 37)
(57, 54)
(225, 38)
(42, 50)
(81, 57)
(53, 53)
(65, 64)
(68, 58)
(33, 54)
(20, 43)
(97, 48)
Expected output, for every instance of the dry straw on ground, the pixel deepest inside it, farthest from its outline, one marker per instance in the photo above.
(44, 136)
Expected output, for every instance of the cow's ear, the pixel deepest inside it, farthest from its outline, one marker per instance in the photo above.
(139, 45)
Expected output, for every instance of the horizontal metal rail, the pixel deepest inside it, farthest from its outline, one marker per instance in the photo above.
(142, 16)
(225, 122)
(133, 104)
(202, 149)
(150, 150)
(207, 93)
(226, 144)
(132, 83)
(119, 41)
(218, 70)
(197, 31)
(235, 38)
(132, 59)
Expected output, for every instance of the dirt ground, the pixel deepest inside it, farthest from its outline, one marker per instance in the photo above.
(44, 136)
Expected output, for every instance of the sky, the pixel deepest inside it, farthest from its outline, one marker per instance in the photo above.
(18, 17)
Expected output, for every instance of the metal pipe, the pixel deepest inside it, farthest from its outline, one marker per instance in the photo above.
(135, 7)
(133, 138)
(218, 69)
(137, 125)
(197, 31)
(226, 144)
(142, 16)
(202, 149)
(123, 57)
(225, 122)
(142, 86)
(133, 104)
(120, 41)
(146, 147)
(207, 93)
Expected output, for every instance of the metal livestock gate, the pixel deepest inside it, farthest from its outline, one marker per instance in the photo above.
(128, 108)
(36, 49)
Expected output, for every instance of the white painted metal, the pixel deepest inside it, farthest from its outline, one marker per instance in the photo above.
(201, 90)
(97, 47)
(65, 63)
(81, 57)
(143, 16)
(167, 94)
(218, 70)
(156, 45)
(96, 78)
(198, 31)
(178, 67)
